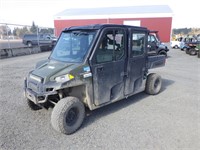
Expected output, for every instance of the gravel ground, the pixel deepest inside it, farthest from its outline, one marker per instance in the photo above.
(168, 121)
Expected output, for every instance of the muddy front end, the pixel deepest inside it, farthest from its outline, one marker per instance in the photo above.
(50, 82)
(39, 92)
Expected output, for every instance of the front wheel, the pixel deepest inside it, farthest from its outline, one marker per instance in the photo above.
(68, 115)
(163, 53)
(29, 44)
(187, 51)
(153, 84)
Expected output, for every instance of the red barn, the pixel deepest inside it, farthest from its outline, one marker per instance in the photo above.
(154, 17)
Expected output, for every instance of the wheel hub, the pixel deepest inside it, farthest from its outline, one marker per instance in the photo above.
(72, 116)
(157, 82)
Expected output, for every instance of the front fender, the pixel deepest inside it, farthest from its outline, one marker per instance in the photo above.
(162, 52)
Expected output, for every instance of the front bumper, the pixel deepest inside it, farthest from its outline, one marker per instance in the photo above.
(166, 49)
(38, 97)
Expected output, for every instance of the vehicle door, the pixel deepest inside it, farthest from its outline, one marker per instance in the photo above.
(108, 66)
(45, 39)
(136, 67)
(33, 38)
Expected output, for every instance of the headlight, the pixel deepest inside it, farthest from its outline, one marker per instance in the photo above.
(64, 78)
(36, 78)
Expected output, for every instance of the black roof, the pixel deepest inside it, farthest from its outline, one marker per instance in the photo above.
(100, 26)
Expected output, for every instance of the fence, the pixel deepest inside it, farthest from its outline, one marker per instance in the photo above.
(11, 35)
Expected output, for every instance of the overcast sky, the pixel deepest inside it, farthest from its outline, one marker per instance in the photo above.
(42, 12)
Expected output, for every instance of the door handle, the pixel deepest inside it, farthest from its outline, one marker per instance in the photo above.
(100, 68)
(124, 74)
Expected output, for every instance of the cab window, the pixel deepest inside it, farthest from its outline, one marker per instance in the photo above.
(151, 38)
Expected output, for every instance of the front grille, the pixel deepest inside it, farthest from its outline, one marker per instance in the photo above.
(33, 86)
(41, 98)
(34, 83)
(49, 89)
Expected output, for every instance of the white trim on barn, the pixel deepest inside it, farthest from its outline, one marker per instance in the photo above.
(160, 15)
(154, 17)
(150, 11)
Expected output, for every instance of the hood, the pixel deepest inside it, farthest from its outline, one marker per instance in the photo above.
(51, 68)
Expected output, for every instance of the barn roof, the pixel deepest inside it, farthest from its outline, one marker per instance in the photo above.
(115, 11)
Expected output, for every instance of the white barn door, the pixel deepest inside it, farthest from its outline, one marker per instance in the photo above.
(132, 22)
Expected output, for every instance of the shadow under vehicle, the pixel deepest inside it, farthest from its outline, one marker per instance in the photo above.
(92, 66)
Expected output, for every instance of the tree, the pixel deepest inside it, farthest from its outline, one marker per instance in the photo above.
(33, 28)
(46, 31)
(20, 32)
(182, 31)
(5, 30)
(16, 31)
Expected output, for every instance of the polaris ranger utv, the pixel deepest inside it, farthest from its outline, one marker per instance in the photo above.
(92, 66)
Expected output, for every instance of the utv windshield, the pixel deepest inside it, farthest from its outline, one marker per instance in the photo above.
(73, 46)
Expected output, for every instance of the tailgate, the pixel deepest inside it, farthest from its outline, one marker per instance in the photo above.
(156, 61)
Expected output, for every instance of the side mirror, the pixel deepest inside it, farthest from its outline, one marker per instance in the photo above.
(148, 48)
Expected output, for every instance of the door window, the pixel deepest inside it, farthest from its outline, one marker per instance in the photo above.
(138, 44)
(111, 46)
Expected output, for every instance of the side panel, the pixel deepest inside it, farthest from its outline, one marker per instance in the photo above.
(44, 40)
(108, 82)
(156, 61)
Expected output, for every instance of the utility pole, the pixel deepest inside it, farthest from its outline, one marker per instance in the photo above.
(8, 36)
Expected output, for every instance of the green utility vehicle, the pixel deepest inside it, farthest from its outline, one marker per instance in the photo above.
(92, 66)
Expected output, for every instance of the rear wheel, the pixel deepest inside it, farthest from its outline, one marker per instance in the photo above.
(192, 51)
(198, 55)
(68, 115)
(176, 46)
(153, 84)
(53, 43)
